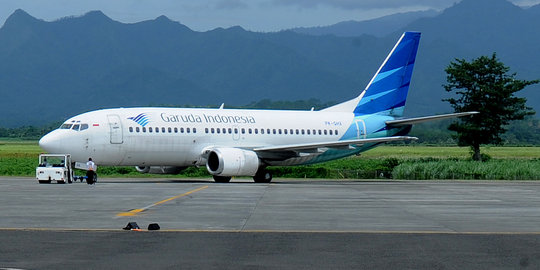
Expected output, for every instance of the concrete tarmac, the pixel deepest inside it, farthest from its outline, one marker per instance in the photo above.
(303, 224)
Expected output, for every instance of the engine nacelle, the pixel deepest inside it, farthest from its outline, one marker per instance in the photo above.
(159, 169)
(232, 162)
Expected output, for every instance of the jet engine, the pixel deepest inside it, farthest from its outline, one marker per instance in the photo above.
(159, 169)
(232, 162)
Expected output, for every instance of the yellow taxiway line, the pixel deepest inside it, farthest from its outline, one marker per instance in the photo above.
(134, 212)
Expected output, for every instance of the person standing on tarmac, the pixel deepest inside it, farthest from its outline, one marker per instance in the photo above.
(90, 172)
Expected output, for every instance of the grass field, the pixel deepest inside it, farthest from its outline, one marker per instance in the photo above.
(451, 152)
(19, 158)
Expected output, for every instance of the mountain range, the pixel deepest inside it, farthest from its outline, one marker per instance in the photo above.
(52, 70)
(379, 27)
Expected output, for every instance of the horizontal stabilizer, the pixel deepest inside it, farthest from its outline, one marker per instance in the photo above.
(417, 120)
(332, 144)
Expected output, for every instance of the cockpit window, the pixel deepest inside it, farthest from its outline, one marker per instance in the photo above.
(84, 126)
(76, 127)
(66, 126)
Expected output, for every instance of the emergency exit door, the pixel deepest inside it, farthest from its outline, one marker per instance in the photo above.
(115, 126)
(360, 129)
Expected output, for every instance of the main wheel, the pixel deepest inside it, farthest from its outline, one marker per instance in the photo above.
(222, 179)
(262, 176)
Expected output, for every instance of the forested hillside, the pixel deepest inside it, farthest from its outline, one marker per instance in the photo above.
(52, 70)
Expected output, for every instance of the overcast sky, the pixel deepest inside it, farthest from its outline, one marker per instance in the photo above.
(255, 15)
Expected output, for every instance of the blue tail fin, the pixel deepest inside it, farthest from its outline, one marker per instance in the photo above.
(387, 92)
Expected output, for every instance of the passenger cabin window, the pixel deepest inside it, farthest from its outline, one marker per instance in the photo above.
(150, 129)
(137, 129)
(130, 129)
(143, 129)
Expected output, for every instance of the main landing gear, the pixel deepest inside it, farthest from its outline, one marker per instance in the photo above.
(222, 179)
(262, 176)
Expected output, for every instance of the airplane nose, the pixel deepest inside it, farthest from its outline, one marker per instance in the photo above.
(50, 143)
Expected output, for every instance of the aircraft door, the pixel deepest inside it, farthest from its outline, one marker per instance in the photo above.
(360, 129)
(115, 126)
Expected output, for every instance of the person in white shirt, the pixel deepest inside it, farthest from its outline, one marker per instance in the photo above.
(90, 172)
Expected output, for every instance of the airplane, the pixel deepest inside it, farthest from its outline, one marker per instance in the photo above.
(234, 142)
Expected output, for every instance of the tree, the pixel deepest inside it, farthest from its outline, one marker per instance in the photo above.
(484, 85)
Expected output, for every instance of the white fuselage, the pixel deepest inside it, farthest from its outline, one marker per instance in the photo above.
(178, 137)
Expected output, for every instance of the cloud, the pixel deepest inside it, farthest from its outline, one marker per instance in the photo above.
(230, 4)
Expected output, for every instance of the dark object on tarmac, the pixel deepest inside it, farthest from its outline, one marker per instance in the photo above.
(153, 227)
(131, 226)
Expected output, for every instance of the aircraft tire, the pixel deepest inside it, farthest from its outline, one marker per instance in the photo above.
(262, 176)
(222, 179)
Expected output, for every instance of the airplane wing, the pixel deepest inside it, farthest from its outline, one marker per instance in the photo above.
(314, 147)
(410, 121)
